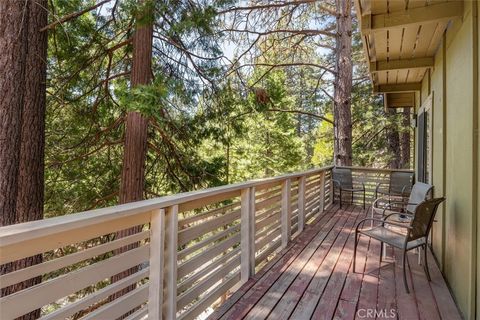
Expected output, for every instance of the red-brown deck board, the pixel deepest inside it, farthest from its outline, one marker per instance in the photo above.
(313, 279)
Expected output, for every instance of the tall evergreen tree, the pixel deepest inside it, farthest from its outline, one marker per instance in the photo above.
(22, 128)
(405, 139)
(343, 85)
(393, 139)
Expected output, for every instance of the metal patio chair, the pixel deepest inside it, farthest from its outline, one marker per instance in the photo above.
(386, 205)
(416, 235)
(399, 185)
(342, 179)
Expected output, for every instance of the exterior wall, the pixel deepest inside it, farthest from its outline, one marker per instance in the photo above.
(459, 219)
(454, 86)
(476, 147)
(438, 159)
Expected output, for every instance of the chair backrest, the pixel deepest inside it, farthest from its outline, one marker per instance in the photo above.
(401, 182)
(344, 176)
(419, 193)
(423, 218)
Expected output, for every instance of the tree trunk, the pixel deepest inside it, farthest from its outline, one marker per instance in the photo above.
(393, 140)
(135, 145)
(24, 90)
(12, 87)
(405, 139)
(343, 85)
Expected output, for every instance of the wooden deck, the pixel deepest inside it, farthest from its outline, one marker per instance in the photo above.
(312, 279)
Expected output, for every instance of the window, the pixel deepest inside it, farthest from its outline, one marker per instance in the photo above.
(424, 145)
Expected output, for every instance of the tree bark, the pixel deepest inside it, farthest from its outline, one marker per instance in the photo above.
(24, 90)
(393, 140)
(135, 145)
(13, 35)
(343, 85)
(133, 180)
(405, 139)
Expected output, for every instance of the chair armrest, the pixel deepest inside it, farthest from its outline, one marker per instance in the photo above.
(374, 204)
(409, 188)
(378, 186)
(396, 213)
(400, 225)
(388, 204)
(404, 203)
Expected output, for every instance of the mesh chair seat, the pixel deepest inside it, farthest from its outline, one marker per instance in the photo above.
(392, 237)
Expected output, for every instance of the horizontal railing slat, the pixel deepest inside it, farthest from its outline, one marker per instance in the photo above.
(31, 247)
(140, 314)
(188, 234)
(207, 255)
(120, 306)
(210, 298)
(97, 296)
(187, 283)
(51, 290)
(58, 263)
(207, 214)
(197, 246)
(207, 283)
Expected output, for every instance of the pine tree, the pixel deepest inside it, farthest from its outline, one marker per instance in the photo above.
(343, 85)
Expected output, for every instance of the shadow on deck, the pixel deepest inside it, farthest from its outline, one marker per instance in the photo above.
(312, 279)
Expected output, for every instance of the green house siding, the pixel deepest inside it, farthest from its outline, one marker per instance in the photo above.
(438, 159)
(454, 88)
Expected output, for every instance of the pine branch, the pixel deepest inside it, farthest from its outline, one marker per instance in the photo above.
(278, 5)
(73, 16)
(311, 114)
(292, 64)
(310, 32)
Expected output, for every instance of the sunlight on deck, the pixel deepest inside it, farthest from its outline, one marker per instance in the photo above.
(313, 279)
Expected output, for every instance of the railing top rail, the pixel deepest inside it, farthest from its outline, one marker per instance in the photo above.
(375, 169)
(35, 229)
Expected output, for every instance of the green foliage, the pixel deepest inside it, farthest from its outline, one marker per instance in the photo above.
(209, 122)
(207, 126)
(323, 150)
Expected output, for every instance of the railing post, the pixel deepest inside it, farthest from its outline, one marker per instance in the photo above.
(322, 192)
(301, 203)
(247, 233)
(170, 278)
(286, 212)
(157, 244)
(332, 190)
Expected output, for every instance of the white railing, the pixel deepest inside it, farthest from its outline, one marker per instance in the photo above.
(193, 249)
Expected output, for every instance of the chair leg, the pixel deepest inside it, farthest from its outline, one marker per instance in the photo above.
(425, 266)
(381, 251)
(355, 251)
(372, 216)
(340, 198)
(363, 199)
(404, 260)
